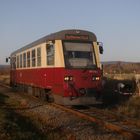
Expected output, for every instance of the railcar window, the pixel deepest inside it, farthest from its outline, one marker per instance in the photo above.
(38, 56)
(20, 60)
(50, 54)
(33, 58)
(28, 59)
(79, 55)
(24, 60)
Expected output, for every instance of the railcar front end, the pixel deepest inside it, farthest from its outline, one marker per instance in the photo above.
(82, 75)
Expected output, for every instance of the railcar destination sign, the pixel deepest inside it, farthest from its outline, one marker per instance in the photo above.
(76, 37)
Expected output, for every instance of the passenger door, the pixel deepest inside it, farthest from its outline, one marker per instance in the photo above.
(13, 71)
(50, 64)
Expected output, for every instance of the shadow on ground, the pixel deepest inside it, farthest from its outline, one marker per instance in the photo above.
(13, 126)
(3, 98)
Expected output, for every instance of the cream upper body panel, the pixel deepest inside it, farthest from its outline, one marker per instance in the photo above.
(43, 57)
(59, 55)
(40, 54)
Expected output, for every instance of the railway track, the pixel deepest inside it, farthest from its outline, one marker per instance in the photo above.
(116, 123)
(126, 127)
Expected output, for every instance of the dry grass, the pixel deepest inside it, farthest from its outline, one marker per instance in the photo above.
(122, 67)
(5, 79)
(13, 126)
(131, 108)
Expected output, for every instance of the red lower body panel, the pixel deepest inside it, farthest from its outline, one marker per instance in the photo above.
(54, 79)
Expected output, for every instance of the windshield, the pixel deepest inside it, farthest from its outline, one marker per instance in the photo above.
(79, 55)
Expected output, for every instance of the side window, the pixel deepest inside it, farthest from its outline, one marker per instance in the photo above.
(20, 60)
(38, 56)
(50, 54)
(24, 60)
(28, 59)
(33, 58)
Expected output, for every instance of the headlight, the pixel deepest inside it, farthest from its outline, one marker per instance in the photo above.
(68, 78)
(95, 78)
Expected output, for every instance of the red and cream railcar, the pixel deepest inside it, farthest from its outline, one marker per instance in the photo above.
(63, 67)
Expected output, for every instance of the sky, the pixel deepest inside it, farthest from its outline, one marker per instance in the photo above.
(116, 23)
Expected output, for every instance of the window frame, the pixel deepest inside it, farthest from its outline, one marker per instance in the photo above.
(20, 61)
(28, 59)
(50, 56)
(24, 60)
(39, 56)
(33, 57)
(78, 41)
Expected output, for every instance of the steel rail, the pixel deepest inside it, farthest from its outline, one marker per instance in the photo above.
(130, 134)
(4, 85)
(124, 119)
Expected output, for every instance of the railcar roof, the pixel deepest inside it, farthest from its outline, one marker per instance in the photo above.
(57, 36)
